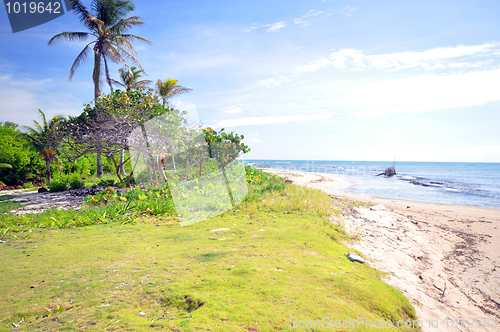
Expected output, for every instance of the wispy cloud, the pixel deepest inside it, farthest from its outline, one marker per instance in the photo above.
(263, 120)
(311, 16)
(274, 81)
(277, 26)
(270, 27)
(347, 10)
(312, 67)
(430, 59)
(421, 93)
(22, 96)
(233, 110)
(458, 57)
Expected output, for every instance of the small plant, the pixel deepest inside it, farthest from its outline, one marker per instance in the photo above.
(58, 186)
(60, 223)
(160, 206)
(28, 185)
(76, 184)
(4, 232)
(117, 209)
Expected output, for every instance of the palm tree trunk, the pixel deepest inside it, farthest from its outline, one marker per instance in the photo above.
(47, 168)
(96, 77)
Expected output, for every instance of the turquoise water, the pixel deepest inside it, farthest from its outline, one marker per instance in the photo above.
(475, 184)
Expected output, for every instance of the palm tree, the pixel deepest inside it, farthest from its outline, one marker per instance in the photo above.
(108, 27)
(130, 79)
(169, 89)
(42, 138)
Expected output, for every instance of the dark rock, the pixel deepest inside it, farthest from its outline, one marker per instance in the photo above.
(19, 187)
(390, 171)
(85, 191)
(42, 190)
(355, 258)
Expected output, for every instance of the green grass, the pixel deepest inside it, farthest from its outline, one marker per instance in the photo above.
(6, 206)
(283, 256)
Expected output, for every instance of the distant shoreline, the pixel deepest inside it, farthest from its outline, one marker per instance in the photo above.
(467, 184)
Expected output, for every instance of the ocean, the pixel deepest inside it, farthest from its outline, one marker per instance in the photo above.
(474, 184)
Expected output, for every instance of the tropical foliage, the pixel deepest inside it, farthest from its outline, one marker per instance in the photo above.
(169, 89)
(129, 79)
(108, 26)
(43, 138)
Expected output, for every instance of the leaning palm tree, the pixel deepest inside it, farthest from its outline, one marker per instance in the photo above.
(108, 26)
(42, 137)
(129, 79)
(169, 89)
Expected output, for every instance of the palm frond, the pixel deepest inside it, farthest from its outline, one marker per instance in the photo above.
(69, 36)
(108, 77)
(111, 11)
(125, 24)
(169, 89)
(142, 83)
(80, 59)
(130, 56)
(83, 14)
(113, 54)
(130, 38)
(118, 83)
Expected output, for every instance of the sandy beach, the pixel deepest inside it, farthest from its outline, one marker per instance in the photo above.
(444, 258)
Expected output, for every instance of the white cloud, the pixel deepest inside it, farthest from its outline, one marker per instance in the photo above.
(270, 27)
(429, 59)
(190, 108)
(276, 26)
(263, 120)
(233, 110)
(422, 93)
(21, 97)
(312, 67)
(274, 82)
(256, 26)
(347, 10)
(311, 15)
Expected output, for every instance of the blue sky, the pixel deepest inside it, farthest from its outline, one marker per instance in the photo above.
(321, 80)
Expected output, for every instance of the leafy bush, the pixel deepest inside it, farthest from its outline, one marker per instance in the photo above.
(76, 184)
(106, 183)
(28, 185)
(57, 186)
(256, 176)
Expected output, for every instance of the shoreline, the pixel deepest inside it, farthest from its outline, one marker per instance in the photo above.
(444, 258)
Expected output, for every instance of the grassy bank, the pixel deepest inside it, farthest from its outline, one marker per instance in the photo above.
(280, 255)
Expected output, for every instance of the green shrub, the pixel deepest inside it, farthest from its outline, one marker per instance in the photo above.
(76, 184)
(57, 186)
(28, 185)
(106, 183)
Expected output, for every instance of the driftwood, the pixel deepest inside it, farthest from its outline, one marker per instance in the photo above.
(390, 171)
